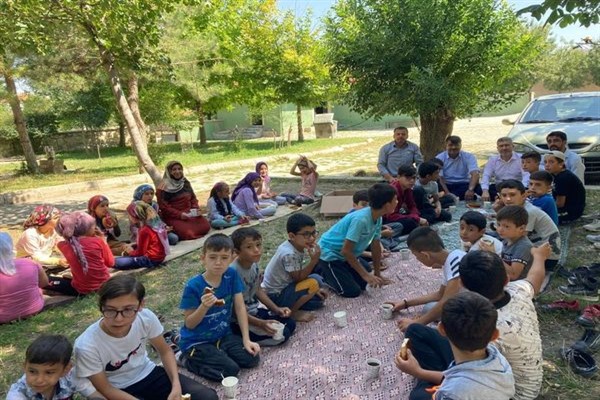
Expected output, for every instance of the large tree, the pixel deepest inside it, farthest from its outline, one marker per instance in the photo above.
(438, 59)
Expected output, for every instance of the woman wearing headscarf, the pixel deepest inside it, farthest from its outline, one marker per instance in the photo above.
(245, 198)
(107, 223)
(87, 252)
(179, 205)
(21, 280)
(39, 237)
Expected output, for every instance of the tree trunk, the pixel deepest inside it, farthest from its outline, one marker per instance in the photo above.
(19, 119)
(133, 99)
(299, 118)
(434, 130)
(137, 142)
(122, 141)
(201, 127)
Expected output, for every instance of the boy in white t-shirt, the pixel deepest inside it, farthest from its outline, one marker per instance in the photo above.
(428, 248)
(112, 351)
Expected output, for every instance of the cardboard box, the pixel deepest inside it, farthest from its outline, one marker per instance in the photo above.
(337, 203)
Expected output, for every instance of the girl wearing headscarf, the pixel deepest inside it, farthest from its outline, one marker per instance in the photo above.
(152, 243)
(107, 223)
(222, 213)
(179, 205)
(266, 197)
(88, 254)
(245, 197)
(145, 193)
(21, 280)
(39, 237)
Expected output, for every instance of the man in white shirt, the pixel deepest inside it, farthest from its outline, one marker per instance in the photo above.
(502, 166)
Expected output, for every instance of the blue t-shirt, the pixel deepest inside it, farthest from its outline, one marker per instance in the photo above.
(357, 227)
(215, 323)
(547, 204)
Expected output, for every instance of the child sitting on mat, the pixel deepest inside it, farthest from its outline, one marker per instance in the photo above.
(307, 171)
(222, 213)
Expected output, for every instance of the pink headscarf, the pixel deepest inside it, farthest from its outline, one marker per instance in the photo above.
(73, 225)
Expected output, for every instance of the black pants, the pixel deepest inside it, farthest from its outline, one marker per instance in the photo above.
(62, 286)
(157, 386)
(427, 210)
(221, 359)
(290, 327)
(460, 188)
(342, 278)
(432, 351)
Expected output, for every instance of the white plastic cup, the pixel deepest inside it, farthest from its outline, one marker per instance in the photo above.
(373, 367)
(405, 254)
(487, 204)
(194, 212)
(386, 310)
(230, 387)
(452, 208)
(487, 241)
(278, 326)
(340, 319)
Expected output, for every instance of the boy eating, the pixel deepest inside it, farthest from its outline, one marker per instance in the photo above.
(540, 193)
(288, 282)
(247, 243)
(472, 232)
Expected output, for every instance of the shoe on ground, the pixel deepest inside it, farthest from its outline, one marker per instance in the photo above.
(586, 288)
(593, 227)
(590, 317)
(591, 338)
(581, 362)
(579, 274)
(593, 238)
(561, 305)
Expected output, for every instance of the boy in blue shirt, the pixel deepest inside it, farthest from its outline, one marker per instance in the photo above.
(345, 241)
(208, 346)
(540, 193)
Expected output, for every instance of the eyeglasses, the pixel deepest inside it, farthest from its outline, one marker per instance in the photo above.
(307, 235)
(125, 313)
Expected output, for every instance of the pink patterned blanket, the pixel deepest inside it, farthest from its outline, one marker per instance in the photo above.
(322, 361)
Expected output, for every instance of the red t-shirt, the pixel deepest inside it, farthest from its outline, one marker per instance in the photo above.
(149, 245)
(99, 258)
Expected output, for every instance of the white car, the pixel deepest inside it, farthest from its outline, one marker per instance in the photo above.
(576, 114)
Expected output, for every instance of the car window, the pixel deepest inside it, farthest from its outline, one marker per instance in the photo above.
(563, 110)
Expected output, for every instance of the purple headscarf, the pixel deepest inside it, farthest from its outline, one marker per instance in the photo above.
(246, 183)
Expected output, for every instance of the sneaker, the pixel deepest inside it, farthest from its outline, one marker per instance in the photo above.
(590, 316)
(581, 362)
(586, 288)
(593, 227)
(591, 338)
(561, 305)
(593, 238)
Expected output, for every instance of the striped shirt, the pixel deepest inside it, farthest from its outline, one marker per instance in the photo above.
(450, 268)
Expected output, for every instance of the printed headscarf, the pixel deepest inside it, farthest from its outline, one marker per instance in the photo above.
(170, 184)
(140, 190)
(139, 210)
(246, 183)
(41, 215)
(7, 255)
(219, 202)
(95, 202)
(71, 227)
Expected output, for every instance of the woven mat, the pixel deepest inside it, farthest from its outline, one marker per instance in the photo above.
(322, 361)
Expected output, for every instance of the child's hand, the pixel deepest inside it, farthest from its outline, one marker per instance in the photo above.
(542, 251)
(208, 300)
(486, 246)
(423, 222)
(228, 218)
(410, 366)
(185, 216)
(398, 305)
(63, 262)
(169, 229)
(314, 252)
(375, 281)
(284, 312)
(266, 326)
(404, 323)
(386, 231)
(251, 347)
(175, 393)
(323, 294)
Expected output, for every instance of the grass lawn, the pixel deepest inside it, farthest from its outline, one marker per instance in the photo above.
(164, 288)
(122, 161)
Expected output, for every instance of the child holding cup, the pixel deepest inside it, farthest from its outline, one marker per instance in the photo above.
(270, 326)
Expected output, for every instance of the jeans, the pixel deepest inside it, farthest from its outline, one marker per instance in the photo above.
(125, 263)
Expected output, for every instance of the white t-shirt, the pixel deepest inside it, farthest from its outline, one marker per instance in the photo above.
(123, 360)
(541, 229)
(520, 340)
(450, 268)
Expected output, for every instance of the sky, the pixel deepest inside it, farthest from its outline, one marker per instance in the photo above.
(572, 33)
